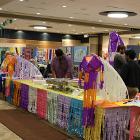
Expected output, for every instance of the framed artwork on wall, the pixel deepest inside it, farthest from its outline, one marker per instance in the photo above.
(79, 53)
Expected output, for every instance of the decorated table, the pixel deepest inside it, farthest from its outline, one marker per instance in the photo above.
(65, 111)
(99, 112)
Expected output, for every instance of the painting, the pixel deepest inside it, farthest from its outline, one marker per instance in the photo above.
(79, 53)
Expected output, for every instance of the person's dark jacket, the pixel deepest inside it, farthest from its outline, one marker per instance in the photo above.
(130, 74)
(47, 71)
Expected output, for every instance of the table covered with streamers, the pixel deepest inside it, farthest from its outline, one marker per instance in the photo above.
(66, 111)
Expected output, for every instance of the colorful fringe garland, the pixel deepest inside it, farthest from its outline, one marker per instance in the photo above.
(24, 96)
(41, 103)
(52, 107)
(94, 133)
(16, 97)
(75, 118)
(32, 100)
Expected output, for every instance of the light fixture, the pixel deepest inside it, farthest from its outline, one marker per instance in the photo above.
(69, 25)
(21, 0)
(118, 14)
(64, 6)
(0, 8)
(106, 30)
(125, 24)
(38, 13)
(86, 36)
(93, 27)
(39, 27)
(15, 19)
(136, 37)
(71, 17)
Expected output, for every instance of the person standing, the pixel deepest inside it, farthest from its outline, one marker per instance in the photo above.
(61, 65)
(130, 73)
(119, 59)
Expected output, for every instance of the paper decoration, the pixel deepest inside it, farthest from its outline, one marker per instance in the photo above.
(75, 118)
(41, 103)
(114, 41)
(24, 96)
(63, 111)
(32, 106)
(25, 69)
(52, 107)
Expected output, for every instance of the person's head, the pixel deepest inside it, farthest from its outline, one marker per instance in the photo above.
(130, 55)
(7, 53)
(121, 49)
(59, 53)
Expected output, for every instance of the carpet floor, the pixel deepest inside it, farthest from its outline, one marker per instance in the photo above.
(29, 126)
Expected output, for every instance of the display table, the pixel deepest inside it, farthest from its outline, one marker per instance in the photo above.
(65, 110)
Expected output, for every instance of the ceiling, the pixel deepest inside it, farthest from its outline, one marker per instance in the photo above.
(79, 17)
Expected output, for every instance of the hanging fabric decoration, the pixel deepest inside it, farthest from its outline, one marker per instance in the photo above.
(63, 111)
(41, 103)
(52, 102)
(24, 96)
(89, 68)
(32, 100)
(114, 41)
(116, 121)
(75, 118)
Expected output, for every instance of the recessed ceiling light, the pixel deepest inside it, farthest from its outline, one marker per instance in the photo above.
(38, 13)
(125, 24)
(0, 8)
(19, 31)
(106, 30)
(44, 22)
(100, 20)
(40, 27)
(117, 14)
(69, 25)
(71, 17)
(21, 0)
(15, 19)
(136, 37)
(64, 6)
(86, 35)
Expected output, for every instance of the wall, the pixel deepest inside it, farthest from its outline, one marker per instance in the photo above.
(93, 42)
(14, 38)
